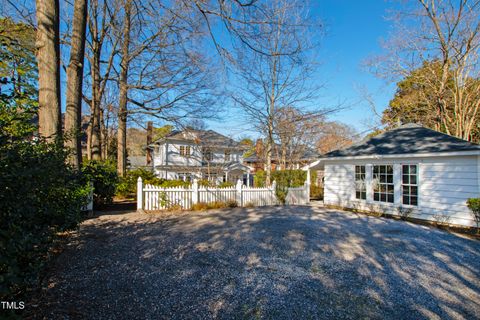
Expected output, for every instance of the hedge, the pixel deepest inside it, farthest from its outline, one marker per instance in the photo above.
(41, 196)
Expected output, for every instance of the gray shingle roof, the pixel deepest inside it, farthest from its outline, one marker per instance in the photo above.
(204, 137)
(407, 139)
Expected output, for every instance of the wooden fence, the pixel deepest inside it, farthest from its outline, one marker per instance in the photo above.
(150, 198)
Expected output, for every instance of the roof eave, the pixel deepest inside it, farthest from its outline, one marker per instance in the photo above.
(406, 155)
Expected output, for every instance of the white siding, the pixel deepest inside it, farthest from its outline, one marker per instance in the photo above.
(445, 183)
(175, 159)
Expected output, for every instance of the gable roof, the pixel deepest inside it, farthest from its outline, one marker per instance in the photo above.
(406, 139)
(202, 137)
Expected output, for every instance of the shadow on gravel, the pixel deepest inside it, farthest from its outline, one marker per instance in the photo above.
(271, 262)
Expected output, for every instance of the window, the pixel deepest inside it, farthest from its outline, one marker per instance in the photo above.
(185, 151)
(207, 155)
(410, 184)
(383, 183)
(360, 186)
(227, 156)
(185, 176)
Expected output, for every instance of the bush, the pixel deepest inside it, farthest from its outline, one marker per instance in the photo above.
(200, 206)
(104, 176)
(284, 179)
(127, 185)
(259, 179)
(172, 183)
(474, 205)
(226, 184)
(316, 192)
(216, 205)
(231, 204)
(249, 205)
(41, 196)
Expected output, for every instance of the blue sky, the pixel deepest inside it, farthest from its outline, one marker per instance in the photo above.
(354, 30)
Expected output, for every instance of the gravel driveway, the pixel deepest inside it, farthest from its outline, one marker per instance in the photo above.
(273, 262)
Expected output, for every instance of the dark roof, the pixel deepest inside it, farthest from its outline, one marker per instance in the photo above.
(203, 137)
(406, 139)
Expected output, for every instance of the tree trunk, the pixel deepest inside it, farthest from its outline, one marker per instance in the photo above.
(269, 151)
(122, 107)
(96, 144)
(73, 115)
(48, 59)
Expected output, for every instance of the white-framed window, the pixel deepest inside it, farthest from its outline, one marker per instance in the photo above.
(207, 155)
(360, 186)
(410, 184)
(383, 183)
(227, 156)
(185, 176)
(185, 151)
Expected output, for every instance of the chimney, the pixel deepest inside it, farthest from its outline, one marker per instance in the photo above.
(259, 148)
(149, 141)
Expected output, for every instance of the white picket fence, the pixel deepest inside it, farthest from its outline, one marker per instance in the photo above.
(151, 198)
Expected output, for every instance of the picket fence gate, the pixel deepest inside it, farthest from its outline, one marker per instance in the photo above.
(152, 198)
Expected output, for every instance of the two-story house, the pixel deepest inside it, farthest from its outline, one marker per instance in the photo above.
(201, 154)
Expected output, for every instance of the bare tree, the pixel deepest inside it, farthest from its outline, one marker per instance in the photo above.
(162, 73)
(295, 132)
(442, 37)
(48, 58)
(101, 53)
(277, 72)
(333, 136)
(73, 113)
(123, 84)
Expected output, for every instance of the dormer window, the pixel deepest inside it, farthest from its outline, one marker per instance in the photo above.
(185, 151)
(227, 156)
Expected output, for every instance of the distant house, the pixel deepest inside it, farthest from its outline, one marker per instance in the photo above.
(201, 154)
(409, 168)
(300, 158)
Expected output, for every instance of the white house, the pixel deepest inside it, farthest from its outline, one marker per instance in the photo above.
(201, 154)
(408, 169)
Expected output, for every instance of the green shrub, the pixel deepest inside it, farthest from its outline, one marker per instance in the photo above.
(316, 192)
(172, 183)
(284, 179)
(259, 179)
(104, 176)
(206, 183)
(226, 184)
(127, 185)
(474, 205)
(40, 197)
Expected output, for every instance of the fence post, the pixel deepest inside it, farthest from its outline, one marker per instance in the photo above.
(239, 193)
(195, 191)
(273, 188)
(307, 186)
(139, 194)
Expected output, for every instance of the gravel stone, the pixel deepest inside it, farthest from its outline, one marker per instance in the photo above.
(298, 262)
